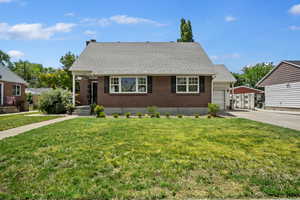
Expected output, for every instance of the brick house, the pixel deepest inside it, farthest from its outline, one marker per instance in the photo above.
(175, 77)
(12, 91)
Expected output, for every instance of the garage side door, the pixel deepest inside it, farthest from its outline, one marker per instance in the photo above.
(219, 98)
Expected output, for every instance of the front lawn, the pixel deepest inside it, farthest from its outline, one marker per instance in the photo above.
(13, 121)
(89, 158)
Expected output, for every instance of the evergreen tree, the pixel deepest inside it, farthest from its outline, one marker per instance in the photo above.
(186, 33)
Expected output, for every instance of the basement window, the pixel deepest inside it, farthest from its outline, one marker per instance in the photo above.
(131, 84)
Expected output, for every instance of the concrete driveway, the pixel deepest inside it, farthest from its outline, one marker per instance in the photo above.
(287, 120)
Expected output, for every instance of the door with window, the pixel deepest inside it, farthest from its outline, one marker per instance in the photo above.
(94, 92)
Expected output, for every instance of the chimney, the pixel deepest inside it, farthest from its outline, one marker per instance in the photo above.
(89, 41)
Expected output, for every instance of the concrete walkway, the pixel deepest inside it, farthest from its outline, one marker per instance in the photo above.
(286, 120)
(22, 129)
(19, 113)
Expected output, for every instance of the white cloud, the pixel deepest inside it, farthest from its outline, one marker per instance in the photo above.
(294, 28)
(230, 19)
(15, 53)
(295, 9)
(124, 19)
(226, 56)
(70, 14)
(90, 33)
(5, 1)
(32, 31)
(119, 19)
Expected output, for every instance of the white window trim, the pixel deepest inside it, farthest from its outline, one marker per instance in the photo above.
(20, 93)
(136, 85)
(187, 85)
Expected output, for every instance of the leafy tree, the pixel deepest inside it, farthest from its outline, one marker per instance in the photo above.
(67, 60)
(5, 59)
(57, 79)
(252, 74)
(186, 32)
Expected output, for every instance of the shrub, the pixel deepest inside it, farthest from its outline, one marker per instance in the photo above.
(92, 108)
(167, 115)
(98, 109)
(139, 114)
(196, 115)
(70, 109)
(179, 116)
(213, 109)
(152, 115)
(55, 101)
(29, 98)
(151, 110)
(101, 115)
(127, 114)
(116, 115)
(157, 115)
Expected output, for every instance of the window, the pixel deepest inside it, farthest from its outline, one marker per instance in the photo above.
(189, 84)
(128, 84)
(16, 90)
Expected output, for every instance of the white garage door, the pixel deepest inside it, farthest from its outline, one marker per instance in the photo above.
(219, 98)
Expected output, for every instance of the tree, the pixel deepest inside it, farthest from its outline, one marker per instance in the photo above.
(186, 32)
(5, 59)
(67, 60)
(58, 79)
(252, 74)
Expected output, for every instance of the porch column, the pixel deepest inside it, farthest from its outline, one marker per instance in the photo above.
(73, 100)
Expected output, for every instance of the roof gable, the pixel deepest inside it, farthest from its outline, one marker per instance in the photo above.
(153, 58)
(284, 72)
(9, 76)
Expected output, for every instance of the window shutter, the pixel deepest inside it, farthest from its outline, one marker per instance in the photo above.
(106, 84)
(201, 83)
(149, 82)
(173, 84)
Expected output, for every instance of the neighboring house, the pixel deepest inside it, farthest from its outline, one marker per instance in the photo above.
(247, 98)
(12, 90)
(282, 86)
(175, 77)
(36, 92)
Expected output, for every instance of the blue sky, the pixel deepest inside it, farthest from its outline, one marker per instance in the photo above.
(233, 32)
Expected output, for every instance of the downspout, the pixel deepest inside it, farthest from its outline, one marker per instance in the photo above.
(73, 99)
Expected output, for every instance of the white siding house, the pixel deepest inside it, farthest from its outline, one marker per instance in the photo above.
(282, 86)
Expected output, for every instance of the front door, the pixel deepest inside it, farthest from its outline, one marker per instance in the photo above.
(94, 92)
(1, 93)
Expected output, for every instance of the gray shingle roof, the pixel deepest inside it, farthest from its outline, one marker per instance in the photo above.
(223, 74)
(37, 91)
(144, 58)
(9, 76)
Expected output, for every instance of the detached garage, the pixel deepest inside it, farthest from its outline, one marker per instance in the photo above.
(282, 86)
(222, 83)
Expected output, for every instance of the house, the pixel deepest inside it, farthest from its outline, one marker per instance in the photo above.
(128, 77)
(12, 91)
(282, 86)
(245, 97)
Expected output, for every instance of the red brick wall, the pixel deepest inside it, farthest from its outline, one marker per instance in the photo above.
(8, 91)
(161, 95)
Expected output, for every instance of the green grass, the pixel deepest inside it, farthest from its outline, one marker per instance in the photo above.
(89, 158)
(13, 121)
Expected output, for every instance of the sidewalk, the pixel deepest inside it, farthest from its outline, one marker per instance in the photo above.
(19, 113)
(22, 129)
